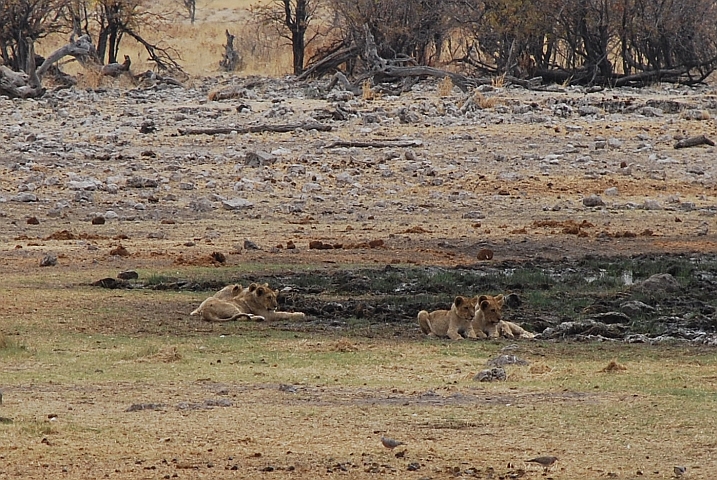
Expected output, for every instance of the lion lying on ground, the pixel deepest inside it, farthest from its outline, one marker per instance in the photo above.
(452, 323)
(488, 322)
(256, 302)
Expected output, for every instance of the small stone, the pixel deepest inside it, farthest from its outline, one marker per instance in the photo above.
(120, 251)
(128, 275)
(49, 260)
(258, 159)
(249, 245)
(33, 221)
(237, 204)
(593, 201)
(485, 254)
(99, 220)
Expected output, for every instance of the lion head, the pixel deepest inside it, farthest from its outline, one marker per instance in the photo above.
(261, 296)
(228, 292)
(464, 307)
(491, 307)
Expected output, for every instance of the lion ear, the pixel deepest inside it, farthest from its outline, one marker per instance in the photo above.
(482, 298)
(458, 301)
(260, 291)
(252, 287)
(236, 290)
(484, 304)
(499, 299)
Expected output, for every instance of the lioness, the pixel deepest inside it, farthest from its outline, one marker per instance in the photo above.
(222, 306)
(488, 323)
(454, 322)
(261, 300)
(256, 302)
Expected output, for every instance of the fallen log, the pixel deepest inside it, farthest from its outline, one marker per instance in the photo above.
(694, 142)
(21, 85)
(256, 129)
(81, 47)
(386, 144)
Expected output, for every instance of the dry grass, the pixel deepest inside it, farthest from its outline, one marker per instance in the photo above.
(366, 92)
(484, 102)
(200, 45)
(109, 350)
(445, 87)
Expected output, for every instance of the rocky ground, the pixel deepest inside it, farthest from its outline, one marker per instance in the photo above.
(103, 176)
(108, 180)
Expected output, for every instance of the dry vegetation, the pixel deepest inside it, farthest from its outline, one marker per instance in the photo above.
(101, 383)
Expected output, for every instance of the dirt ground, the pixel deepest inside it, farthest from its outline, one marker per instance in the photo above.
(512, 178)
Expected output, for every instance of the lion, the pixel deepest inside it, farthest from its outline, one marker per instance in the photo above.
(261, 300)
(488, 322)
(222, 306)
(455, 323)
(256, 302)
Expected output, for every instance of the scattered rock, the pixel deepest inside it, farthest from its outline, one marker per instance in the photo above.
(503, 360)
(491, 375)
(49, 260)
(139, 182)
(136, 407)
(319, 245)
(128, 275)
(512, 300)
(33, 221)
(658, 283)
(593, 201)
(219, 257)
(611, 317)
(119, 251)
(249, 245)
(485, 254)
(258, 159)
(99, 220)
(237, 204)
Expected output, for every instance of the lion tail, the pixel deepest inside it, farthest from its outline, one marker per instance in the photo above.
(424, 321)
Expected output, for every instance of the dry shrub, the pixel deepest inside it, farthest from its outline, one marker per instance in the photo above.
(366, 92)
(344, 345)
(445, 87)
(484, 102)
(540, 369)
(89, 78)
(166, 355)
(614, 367)
(498, 82)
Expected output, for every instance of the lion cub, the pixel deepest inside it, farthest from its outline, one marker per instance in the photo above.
(452, 323)
(488, 322)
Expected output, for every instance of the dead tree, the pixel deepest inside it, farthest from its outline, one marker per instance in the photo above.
(29, 85)
(231, 60)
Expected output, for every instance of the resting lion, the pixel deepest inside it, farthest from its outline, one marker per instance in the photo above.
(261, 300)
(256, 302)
(488, 322)
(452, 323)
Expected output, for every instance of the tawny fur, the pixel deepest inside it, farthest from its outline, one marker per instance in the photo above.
(261, 300)
(256, 302)
(488, 322)
(455, 323)
(488, 316)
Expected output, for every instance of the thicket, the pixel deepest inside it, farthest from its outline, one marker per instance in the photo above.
(589, 42)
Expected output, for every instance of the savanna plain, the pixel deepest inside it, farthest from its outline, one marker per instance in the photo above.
(577, 196)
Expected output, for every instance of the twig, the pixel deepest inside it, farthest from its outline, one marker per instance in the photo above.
(256, 129)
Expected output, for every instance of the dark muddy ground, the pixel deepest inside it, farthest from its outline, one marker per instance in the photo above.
(591, 298)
